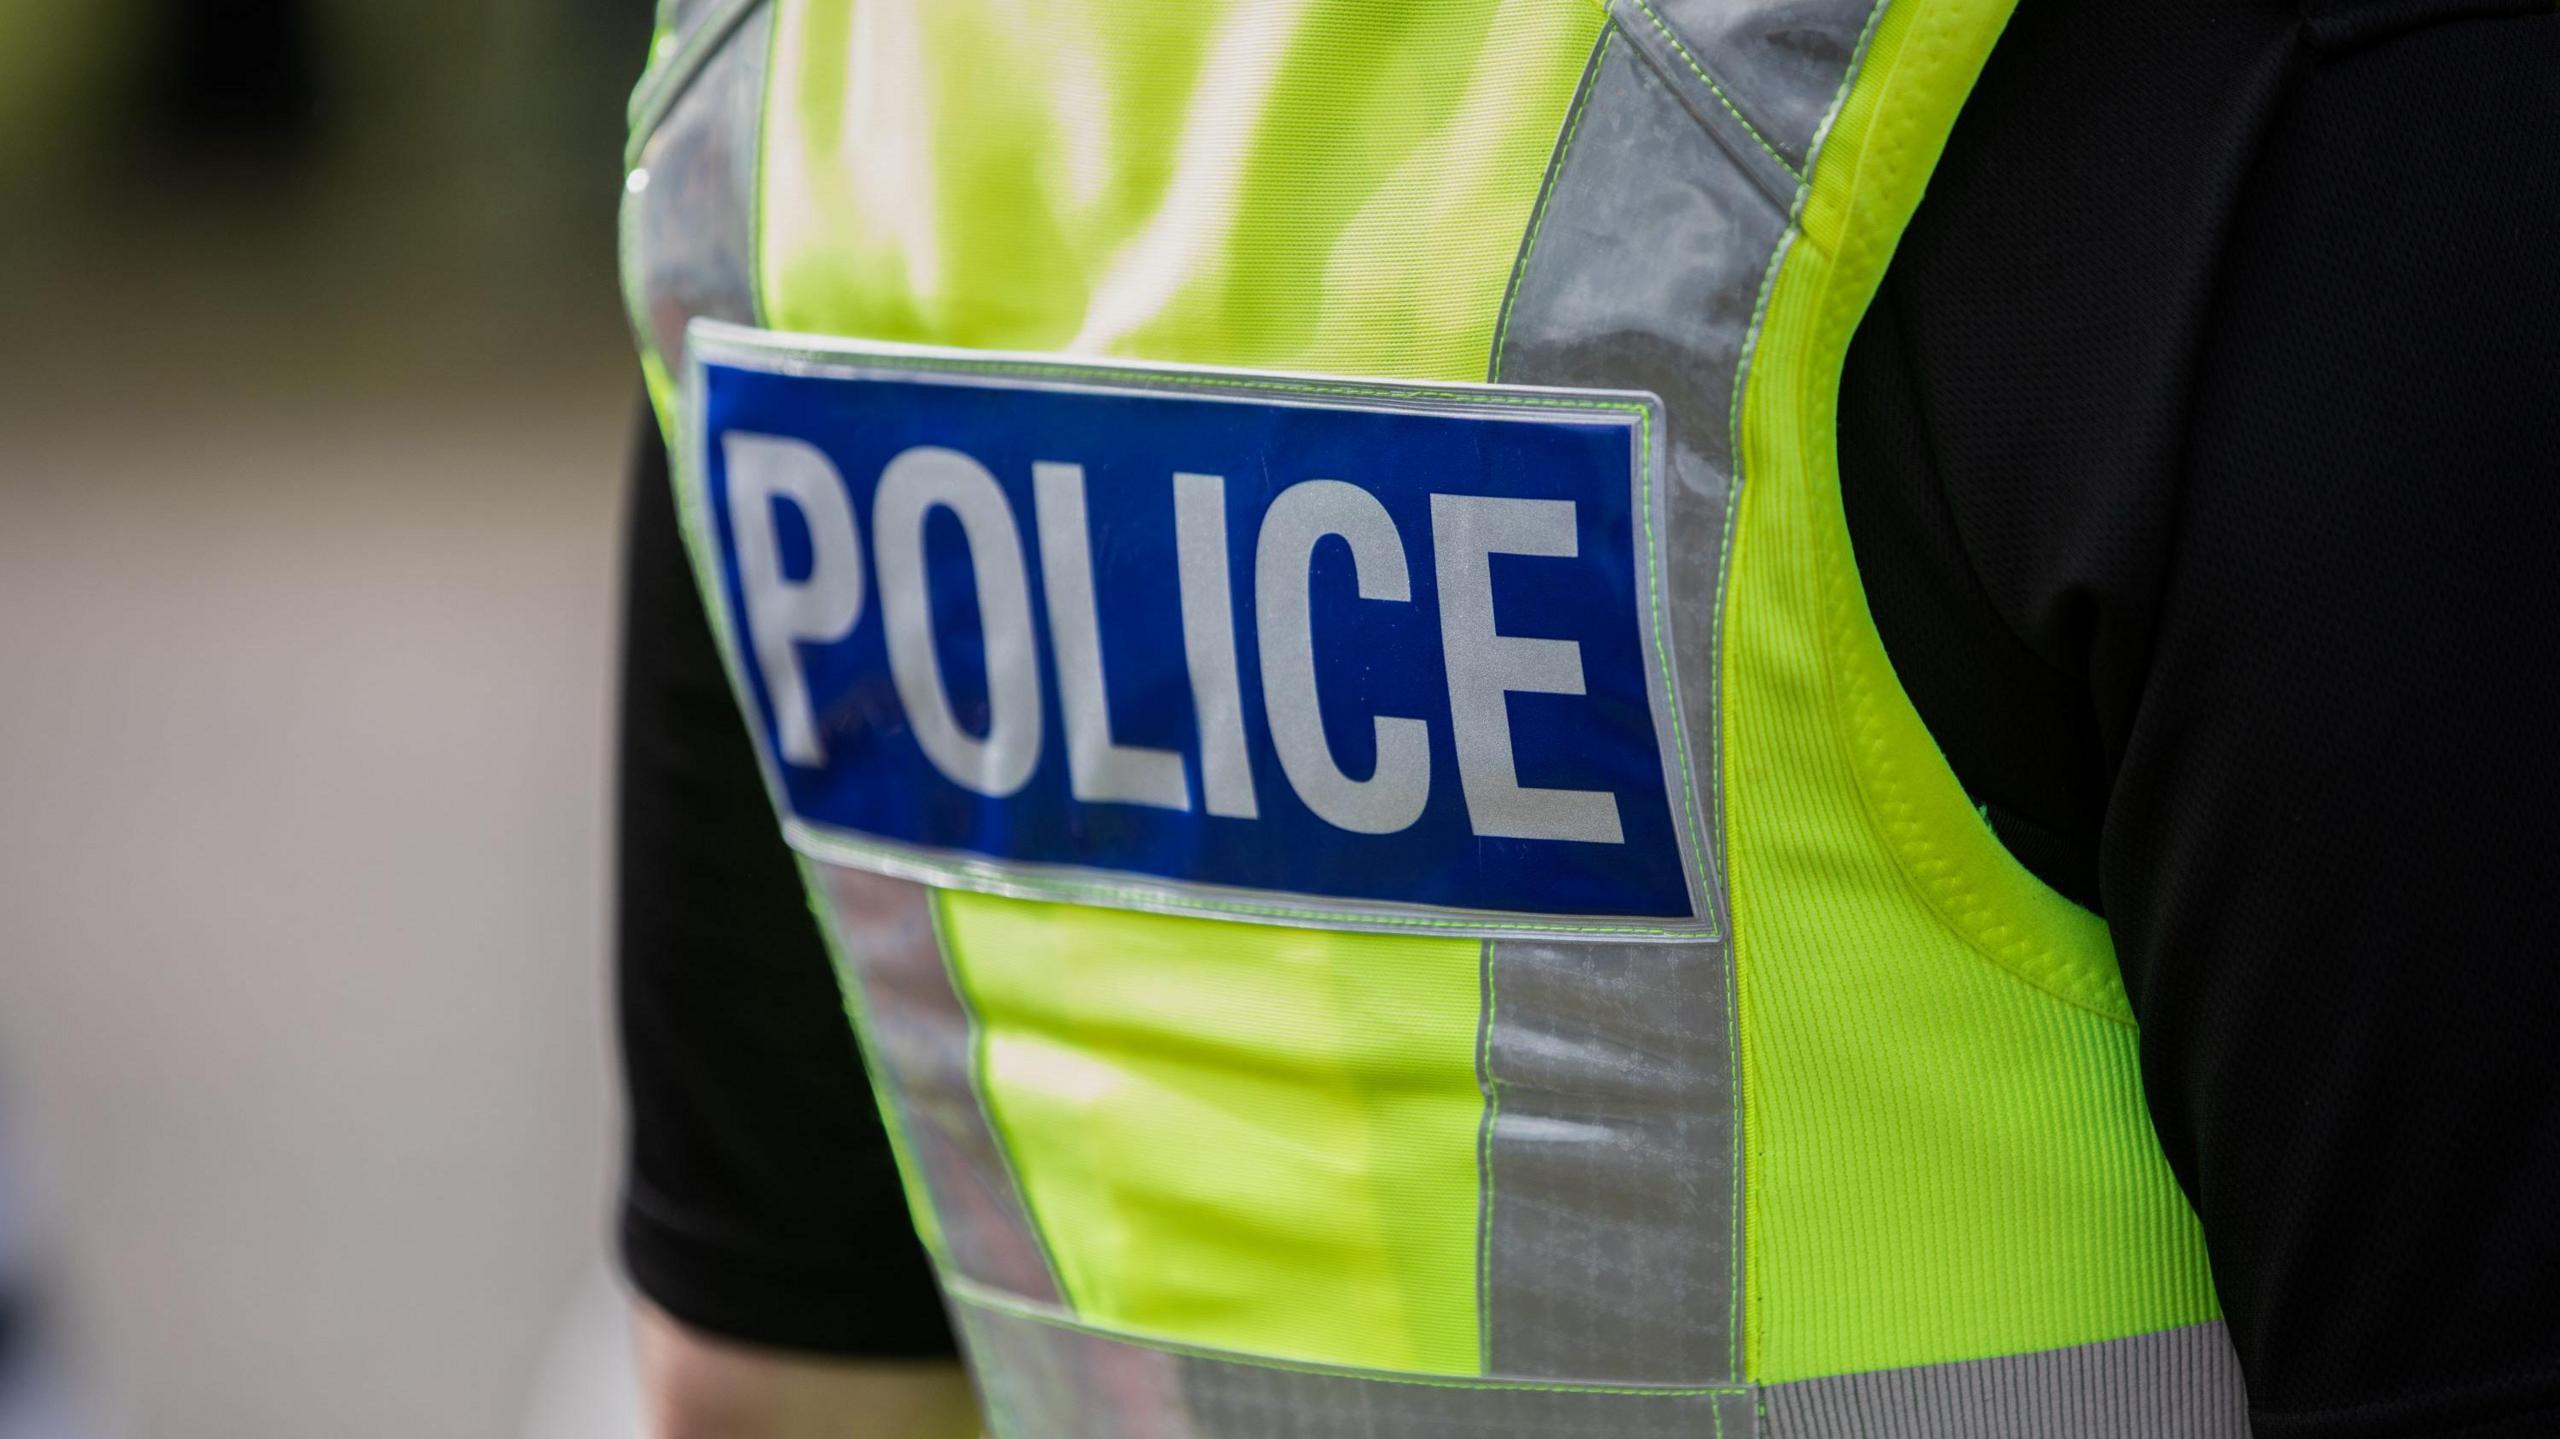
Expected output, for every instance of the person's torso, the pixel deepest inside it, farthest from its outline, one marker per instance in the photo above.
(1286, 563)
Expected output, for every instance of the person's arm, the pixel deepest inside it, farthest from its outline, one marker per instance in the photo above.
(700, 1386)
(785, 1295)
(2333, 847)
(2203, 460)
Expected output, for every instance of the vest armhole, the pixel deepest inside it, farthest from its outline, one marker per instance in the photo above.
(1866, 184)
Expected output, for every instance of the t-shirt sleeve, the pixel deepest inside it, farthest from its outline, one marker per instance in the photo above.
(761, 1201)
(2202, 456)
(2332, 847)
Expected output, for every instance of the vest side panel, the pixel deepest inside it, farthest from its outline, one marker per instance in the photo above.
(1949, 1156)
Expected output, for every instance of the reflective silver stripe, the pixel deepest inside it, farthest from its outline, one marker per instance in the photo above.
(1778, 62)
(1613, 1176)
(2177, 1384)
(1043, 1377)
(924, 1042)
(688, 210)
(1745, 151)
(1645, 274)
(691, 32)
(683, 15)
(1610, 1149)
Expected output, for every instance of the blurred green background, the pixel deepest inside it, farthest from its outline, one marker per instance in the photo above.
(314, 400)
(242, 161)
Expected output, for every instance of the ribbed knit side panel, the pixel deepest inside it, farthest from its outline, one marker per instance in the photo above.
(1947, 1153)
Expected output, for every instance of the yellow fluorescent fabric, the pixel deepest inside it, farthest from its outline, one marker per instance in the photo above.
(1237, 1135)
(1947, 1152)
(1231, 1135)
(1327, 185)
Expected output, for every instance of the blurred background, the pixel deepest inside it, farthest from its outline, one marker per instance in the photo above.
(314, 399)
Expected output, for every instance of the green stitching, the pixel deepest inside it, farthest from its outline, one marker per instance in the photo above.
(968, 1293)
(1721, 98)
(1733, 953)
(815, 840)
(1092, 374)
(1724, 584)
(755, 168)
(1484, 1159)
(1662, 661)
(1840, 97)
(1546, 194)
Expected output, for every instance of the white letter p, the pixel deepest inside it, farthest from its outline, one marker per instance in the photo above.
(783, 614)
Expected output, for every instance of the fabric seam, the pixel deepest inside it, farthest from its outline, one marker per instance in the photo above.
(1745, 1357)
(1490, 1012)
(1739, 1332)
(996, 1128)
(1681, 48)
(980, 1297)
(661, 86)
(1546, 194)
(1840, 96)
(1955, 901)
(862, 853)
(888, 1093)
(755, 169)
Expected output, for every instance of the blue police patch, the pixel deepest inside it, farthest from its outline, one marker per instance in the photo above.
(1368, 655)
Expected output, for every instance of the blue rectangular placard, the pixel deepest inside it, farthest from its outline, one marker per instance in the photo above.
(1260, 646)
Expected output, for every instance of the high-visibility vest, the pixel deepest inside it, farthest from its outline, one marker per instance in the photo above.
(1286, 563)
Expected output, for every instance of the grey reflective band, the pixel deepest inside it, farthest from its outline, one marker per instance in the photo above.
(1042, 1376)
(1613, 1167)
(924, 1046)
(1611, 1159)
(2176, 1384)
(1777, 63)
(691, 33)
(689, 203)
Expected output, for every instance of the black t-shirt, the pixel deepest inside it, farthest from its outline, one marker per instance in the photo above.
(2202, 456)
